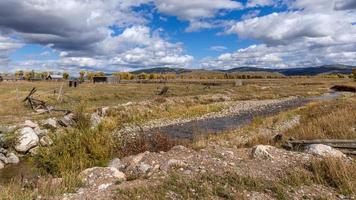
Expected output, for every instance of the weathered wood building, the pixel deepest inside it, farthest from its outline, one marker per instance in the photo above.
(106, 79)
(52, 77)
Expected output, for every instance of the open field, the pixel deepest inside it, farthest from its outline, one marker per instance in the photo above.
(96, 95)
(217, 166)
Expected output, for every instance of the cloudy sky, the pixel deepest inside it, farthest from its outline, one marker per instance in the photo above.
(120, 35)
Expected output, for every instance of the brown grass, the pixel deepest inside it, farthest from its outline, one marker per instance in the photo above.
(327, 120)
(96, 95)
(141, 143)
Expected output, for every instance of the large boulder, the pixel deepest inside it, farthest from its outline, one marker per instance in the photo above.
(323, 151)
(262, 151)
(27, 140)
(97, 176)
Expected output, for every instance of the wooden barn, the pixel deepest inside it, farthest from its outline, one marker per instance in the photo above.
(106, 79)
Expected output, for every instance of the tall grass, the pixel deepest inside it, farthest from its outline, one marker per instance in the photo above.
(335, 120)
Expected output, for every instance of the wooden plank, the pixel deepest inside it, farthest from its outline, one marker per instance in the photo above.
(322, 141)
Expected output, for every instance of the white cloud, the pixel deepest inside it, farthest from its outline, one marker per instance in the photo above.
(260, 3)
(136, 47)
(7, 46)
(195, 9)
(314, 34)
(218, 48)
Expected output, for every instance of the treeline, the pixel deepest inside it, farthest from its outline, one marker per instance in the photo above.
(31, 75)
(88, 75)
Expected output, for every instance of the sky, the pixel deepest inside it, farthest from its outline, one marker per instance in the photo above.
(125, 35)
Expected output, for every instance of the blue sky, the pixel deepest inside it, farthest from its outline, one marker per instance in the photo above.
(120, 35)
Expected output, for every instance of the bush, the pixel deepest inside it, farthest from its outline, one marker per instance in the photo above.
(75, 151)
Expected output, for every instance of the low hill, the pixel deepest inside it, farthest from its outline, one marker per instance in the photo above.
(162, 70)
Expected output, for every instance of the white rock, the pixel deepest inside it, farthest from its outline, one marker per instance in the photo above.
(2, 165)
(46, 141)
(50, 123)
(133, 161)
(67, 120)
(95, 119)
(12, 158)
(144, 168)
(31, 124)
(116, 163)
(104, 111)
(101, 175)
(27, 140)
(40, 132)
(323, 151)
(261, 151)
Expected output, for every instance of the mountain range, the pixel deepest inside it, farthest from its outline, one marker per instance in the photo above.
(304, 71)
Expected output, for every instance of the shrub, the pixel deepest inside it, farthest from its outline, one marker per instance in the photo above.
(74, 151)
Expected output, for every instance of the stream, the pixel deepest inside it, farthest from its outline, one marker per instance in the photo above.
(218, 125)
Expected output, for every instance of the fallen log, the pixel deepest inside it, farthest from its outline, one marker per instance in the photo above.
(322, 141)
(348, 152)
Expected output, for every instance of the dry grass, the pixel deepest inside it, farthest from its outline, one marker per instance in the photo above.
(334, 172)
(45, 188)
(96, 95)
(327, 120)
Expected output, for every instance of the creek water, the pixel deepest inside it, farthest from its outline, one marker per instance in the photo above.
(218, 125)
(24, 170)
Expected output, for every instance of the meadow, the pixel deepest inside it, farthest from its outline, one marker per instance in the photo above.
(12, 109)
(81, 147)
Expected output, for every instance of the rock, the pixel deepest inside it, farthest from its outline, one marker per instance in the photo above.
(104, 111)
(261, 151)
(95, 119)
(116, 163)
(31, 124)
(133, 161)
(3, 151)
(96, 176)
(144, 168)
(172, 163)
(3, 158)
(27, 140)
(323, 151)
(40, 132)
(50, 123)
(2, 165)
(46, 141)
(67, 120)
(12, 158)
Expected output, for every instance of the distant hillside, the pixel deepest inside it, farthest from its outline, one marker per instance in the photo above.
(162, 70)
(311, 71)
(306, 71)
